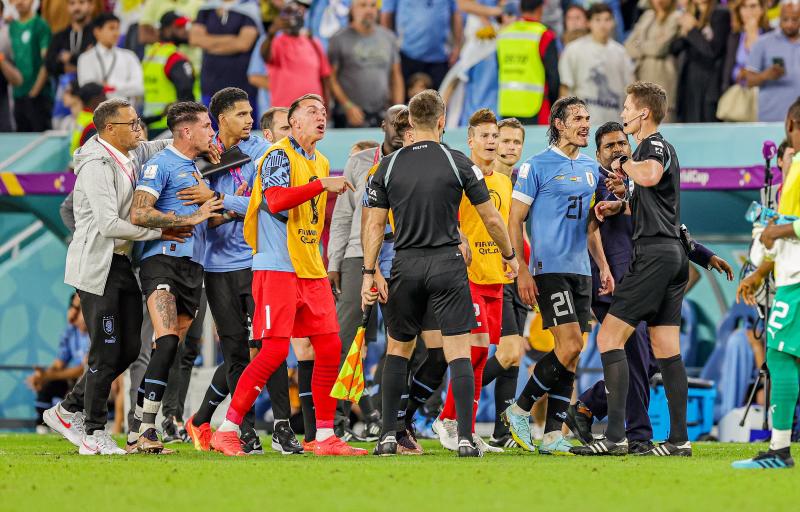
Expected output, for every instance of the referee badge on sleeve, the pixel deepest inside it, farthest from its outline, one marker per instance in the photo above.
(478, 172)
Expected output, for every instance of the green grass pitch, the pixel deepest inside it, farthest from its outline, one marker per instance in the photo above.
(41, 473)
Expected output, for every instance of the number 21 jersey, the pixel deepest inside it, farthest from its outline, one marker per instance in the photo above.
(560, 193)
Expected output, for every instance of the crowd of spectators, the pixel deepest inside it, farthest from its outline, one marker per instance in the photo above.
(365, 55)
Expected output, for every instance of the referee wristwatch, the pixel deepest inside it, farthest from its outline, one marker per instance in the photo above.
(622, 160)
(367, 271)
(511, 256)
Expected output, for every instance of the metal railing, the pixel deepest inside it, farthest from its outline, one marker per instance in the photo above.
(14, 244)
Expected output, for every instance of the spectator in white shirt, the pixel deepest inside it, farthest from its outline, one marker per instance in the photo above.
(596, 68)
(118, 69)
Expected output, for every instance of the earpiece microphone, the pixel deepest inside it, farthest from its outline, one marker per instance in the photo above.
(629, 122)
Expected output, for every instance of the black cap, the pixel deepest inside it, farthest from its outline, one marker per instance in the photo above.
(90, 91)
(171, 18)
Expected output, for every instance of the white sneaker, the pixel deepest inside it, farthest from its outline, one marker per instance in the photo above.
(447, 430)
(69, 425)
(483, 446)
(100, 443)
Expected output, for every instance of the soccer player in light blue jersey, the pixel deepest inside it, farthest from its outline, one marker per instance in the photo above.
(228, 276)
(557, 187)
(171, 281)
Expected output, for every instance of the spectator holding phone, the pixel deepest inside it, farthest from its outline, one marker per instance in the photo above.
(774, 65)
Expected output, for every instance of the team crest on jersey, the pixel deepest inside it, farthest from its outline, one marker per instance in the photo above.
(576, 179)
(524, 170)
(496, 200)
(108, 325)
(150, 172)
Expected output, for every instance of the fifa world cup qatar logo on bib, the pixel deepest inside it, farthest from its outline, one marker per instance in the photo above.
(314, 203)
(496, 200)
(108, 325)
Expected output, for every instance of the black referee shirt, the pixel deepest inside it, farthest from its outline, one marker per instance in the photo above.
(423, 185)
(657, 210)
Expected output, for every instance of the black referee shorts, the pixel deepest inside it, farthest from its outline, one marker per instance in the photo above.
(653, 288)
(423, 276)
(181, 277)
(564, 299)
(429, 322)
(515, 312)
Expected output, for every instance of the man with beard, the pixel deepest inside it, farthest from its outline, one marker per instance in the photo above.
(168, 74)
(557, 186)
(228, 277)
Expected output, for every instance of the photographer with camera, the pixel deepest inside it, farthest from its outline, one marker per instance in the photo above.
(296, 60)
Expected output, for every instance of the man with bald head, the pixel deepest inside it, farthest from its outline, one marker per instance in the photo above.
(345, 258)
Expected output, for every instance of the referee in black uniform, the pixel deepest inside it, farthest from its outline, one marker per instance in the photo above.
(652, 290)
(423, 185)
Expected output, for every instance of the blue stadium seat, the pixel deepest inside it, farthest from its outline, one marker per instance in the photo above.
(731, 365)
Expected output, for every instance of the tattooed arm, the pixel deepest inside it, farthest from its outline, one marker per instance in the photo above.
(143, 212)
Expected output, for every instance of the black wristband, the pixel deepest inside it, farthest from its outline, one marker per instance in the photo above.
(513, 255)
(216, 195)
(367, 271)
(622, 160)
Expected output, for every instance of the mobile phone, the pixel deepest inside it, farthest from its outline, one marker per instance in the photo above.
(778, 61)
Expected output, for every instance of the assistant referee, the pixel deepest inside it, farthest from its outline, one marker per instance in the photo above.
(423, 184)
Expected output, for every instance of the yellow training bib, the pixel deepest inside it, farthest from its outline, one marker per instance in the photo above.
(305, 221)
(487, 262)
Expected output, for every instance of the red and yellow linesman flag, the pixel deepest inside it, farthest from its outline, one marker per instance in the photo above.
(349, 384)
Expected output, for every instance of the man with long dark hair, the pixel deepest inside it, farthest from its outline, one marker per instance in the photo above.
(557, 187)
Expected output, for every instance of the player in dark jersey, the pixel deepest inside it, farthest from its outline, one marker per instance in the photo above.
(653, 288)
(423, 184)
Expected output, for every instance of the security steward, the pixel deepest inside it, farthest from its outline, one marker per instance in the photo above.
(168, 74)
(423, 185)
(527, 63)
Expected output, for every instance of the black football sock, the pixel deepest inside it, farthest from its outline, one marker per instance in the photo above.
(545, 375)
(215, 393)
(615, 370)
(278, 389)
(394, 385)
(366, 405)
(676, 386)
(425, 382)
(558, 399)
(155, 378)
(305, 369)
(137, 414)
(190, 351)
(462, 384)
(505, 387)
(491, 371)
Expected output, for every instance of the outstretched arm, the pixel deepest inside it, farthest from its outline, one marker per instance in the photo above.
(144, 213)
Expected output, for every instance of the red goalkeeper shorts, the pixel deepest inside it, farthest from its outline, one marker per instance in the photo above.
(288, 306)
(487, 299)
